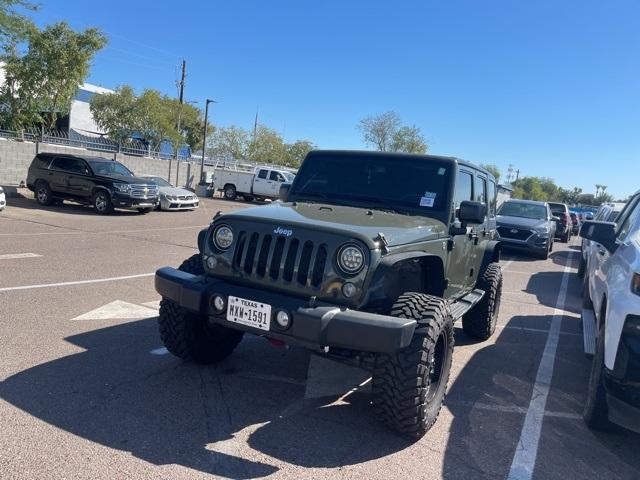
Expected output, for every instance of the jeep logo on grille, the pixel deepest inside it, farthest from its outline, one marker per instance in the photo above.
(287, 232)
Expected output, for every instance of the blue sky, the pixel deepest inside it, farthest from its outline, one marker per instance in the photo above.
(552, 87)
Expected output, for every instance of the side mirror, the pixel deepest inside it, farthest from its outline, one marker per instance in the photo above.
(283, 194)
(603, 233)
(472, 212)
(555, 219)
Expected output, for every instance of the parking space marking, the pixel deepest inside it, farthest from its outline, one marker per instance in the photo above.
(11, 256)
(84, 232)
(524, 460)
(506, 265)
(509, 409)
(118, 310)
(79, 282)
(535, 330)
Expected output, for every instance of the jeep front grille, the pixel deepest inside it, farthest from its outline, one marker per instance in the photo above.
(280, 258)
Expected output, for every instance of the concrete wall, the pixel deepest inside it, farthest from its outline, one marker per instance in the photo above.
(15, 158)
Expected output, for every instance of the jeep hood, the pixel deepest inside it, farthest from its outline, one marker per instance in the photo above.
(352, 222)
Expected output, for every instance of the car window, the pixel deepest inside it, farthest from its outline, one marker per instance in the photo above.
(493, 198)
(524, 210)
(630, 219)
(463, 188)
(276, 176)
(263, 174)
(71, 165)
(480, 190)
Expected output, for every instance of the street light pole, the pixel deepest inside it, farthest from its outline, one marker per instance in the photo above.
(204, 139)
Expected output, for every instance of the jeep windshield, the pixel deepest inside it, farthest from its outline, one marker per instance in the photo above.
(404, 184)
(107, 167)
(523, 210)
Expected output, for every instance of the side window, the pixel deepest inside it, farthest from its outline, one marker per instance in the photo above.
(630, 220)
(263, 174)
(71, 165)
(493, 198)
(463, 188)
(480, 190)
(276, 176)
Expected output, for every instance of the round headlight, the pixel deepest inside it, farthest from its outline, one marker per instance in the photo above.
(351, 259)
(223, 237)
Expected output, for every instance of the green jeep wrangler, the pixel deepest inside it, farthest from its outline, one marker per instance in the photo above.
(368, 258)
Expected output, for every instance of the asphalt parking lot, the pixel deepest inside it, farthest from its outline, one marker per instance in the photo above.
(87, 391)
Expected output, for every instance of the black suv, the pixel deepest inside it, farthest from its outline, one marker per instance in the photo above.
(369, 258)
(561, 216)
(105, 184)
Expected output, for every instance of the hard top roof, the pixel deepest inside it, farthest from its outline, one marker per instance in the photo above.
(417, 156)
(72, 155)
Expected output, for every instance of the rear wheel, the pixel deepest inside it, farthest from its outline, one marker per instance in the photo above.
(409, 386)
(190, 336)
(481, 321)
(43, 193)
(230, 192)
(102, 202)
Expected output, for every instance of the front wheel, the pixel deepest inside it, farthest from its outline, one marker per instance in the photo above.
(480, 322)
(190, 336)
(596, 410)
(102, 202)
(409, 386)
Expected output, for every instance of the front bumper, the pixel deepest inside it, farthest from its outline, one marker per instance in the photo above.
(126, 201)
(316, 327)
(179, 204)
(535, 243)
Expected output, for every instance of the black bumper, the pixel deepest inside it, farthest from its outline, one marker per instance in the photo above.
(319, 326)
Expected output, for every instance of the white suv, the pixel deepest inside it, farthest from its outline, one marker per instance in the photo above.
(612, 293)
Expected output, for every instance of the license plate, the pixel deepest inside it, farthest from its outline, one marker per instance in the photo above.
(249, 313)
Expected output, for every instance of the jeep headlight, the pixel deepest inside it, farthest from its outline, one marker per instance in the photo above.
(122, 187)
(223, 237)
(351, 259)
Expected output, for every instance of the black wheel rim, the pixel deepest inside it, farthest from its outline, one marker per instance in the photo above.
(436, 366)
(42, 194)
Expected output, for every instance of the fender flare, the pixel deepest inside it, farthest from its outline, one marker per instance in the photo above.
(202, 237)
(491, 254)
(386, 285)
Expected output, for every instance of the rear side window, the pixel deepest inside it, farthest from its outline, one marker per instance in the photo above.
(493, 198)
(72, 165)
(41, 162)
(263, 174)
(463, 188)
(480, 191)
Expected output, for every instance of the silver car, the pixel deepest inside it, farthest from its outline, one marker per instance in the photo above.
(528, 225)
(173, 198)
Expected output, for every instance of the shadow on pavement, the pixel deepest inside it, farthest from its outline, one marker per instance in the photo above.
(491, 395)
(66, 207)
(164, 411)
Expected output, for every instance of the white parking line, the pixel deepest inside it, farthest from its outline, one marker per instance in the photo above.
(506, 265)
(11, 256)
(535, 330)
(524, 459)
(83, 232)
(509, 409)
(79, 282)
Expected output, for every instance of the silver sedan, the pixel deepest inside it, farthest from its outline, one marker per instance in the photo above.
(174, 198)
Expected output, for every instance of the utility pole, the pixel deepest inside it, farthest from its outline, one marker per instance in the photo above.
(181, 100)
(204, 139)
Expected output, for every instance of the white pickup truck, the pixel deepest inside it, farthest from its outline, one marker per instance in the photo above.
(250, 182)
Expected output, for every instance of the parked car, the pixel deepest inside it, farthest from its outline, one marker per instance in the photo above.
(3, 199)
(528, 225)
(575, 223)
(608, 212)
(612, 299)
(351, 267)
(563, 221)
(103, 183)
(173, 198)
(250, 182)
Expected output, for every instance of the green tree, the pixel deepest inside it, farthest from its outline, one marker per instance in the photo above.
(229, 143)
(41, 83)
(267, 146)
(379, 130)
(492, 169)
(409, 140)
(116, 113)
(296, 152)
(15, 26)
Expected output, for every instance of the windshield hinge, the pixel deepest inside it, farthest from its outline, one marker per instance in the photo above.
(382, 243)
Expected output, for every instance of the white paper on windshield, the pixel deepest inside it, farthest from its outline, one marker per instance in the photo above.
(428, 199)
